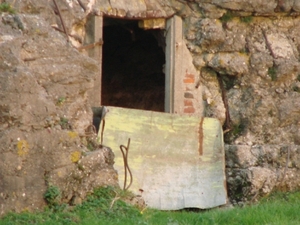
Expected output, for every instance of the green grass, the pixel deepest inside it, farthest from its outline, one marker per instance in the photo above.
(246, 19)
(277, 209)
(5, 7)
(228, 16)
(272, 71)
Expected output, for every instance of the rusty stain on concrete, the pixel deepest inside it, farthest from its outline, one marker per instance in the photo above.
(201, 136)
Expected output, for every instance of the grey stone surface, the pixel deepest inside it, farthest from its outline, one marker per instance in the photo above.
(44, 113)
(254, 44)
(256, 171)
(247, 5)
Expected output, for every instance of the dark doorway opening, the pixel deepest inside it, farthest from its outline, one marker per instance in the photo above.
(132, 67)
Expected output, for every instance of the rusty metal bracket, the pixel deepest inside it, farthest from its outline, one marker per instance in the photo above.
(61, 20)
(82, 5)
(100, 42)
(125, 151)
(60, 30)
(268, 44)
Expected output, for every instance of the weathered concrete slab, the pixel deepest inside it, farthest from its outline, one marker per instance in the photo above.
(177, 161)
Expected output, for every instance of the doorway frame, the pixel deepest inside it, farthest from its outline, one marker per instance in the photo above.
(173, 38)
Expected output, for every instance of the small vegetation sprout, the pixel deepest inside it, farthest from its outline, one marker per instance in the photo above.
(246, 19)
(5, 7)
(272, 71)
(52, 195)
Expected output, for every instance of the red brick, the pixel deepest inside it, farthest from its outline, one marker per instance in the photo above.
(189, 79)
(189, 109)
(192, 76)
(188, 103)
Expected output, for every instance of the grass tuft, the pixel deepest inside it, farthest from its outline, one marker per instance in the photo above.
(228, 16)
(276, 209)
(272, 71)
(5, 7)
(246, 19)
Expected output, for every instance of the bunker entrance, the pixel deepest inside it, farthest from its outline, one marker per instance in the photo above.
(132, 66)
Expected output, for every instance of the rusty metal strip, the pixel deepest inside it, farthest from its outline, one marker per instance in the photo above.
(201, 137)
(82, 5)
(268, 44)
(100, 42)
(61, 20)
(125, 151)
(60, 30)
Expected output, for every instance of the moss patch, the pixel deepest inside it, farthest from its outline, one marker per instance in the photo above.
(75, 156)
(23, 147)
(272, 71)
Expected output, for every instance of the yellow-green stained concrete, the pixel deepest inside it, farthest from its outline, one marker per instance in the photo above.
(165, 157)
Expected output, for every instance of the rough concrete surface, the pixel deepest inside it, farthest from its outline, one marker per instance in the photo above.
(247, 55)
(44, 114)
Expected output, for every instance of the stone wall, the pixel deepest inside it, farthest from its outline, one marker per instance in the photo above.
(45, 117)
(247, 56)
(257, 58)
(255, 171)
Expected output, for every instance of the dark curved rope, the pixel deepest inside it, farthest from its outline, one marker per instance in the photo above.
(125, 151)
